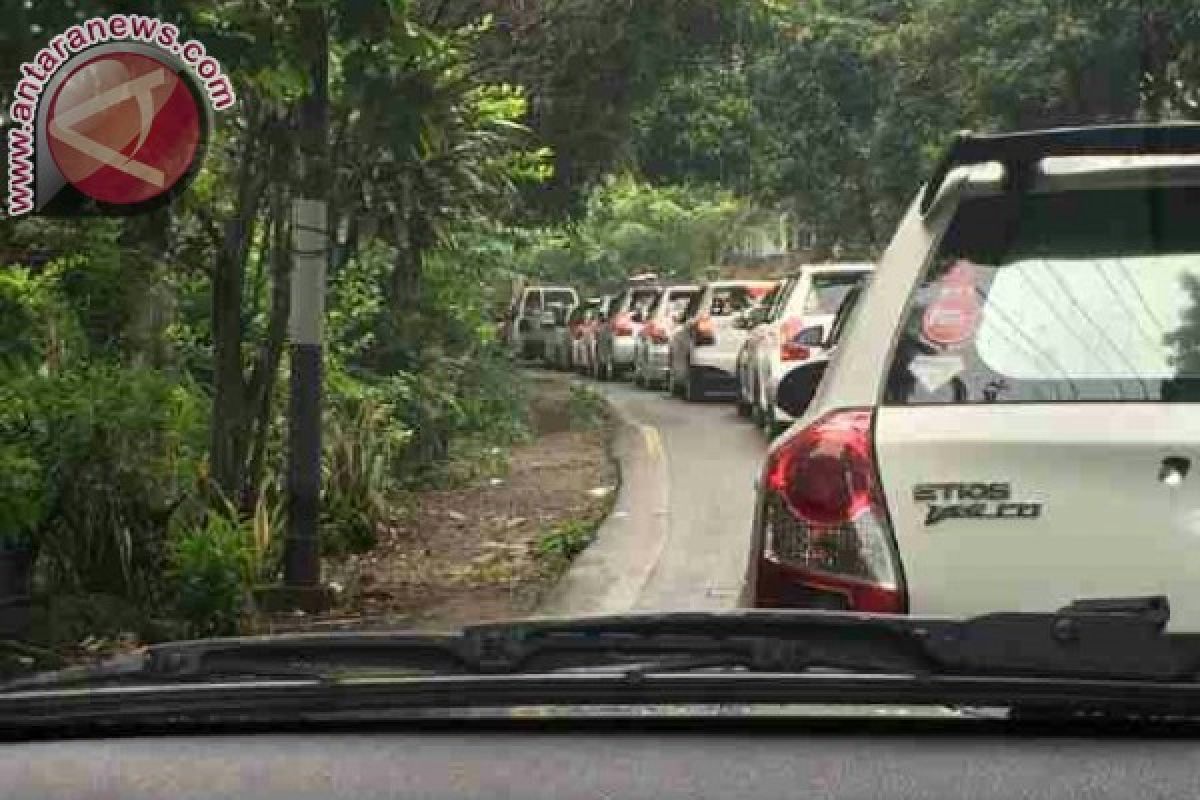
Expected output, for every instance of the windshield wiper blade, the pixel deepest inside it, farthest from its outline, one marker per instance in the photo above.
(1102, 639)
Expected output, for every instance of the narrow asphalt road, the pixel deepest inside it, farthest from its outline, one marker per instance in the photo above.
(679, 534)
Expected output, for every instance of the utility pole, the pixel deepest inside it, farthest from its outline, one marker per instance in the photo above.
(310, 240)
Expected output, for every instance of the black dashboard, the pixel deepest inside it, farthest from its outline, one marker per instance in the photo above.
(535, 763)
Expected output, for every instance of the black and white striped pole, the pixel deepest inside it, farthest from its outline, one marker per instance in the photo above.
(302, 564)
(302, 552)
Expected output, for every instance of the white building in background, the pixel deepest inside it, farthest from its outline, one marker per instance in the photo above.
(775, 238)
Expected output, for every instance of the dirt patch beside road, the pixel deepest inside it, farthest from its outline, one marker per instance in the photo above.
(489, 550)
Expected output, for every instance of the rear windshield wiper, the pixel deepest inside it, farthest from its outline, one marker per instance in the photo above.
(1118, 639)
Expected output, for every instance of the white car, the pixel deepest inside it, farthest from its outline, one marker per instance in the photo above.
(704, 349)
(651, 356)
(1009, 420)
(790, 334)
(526, 336)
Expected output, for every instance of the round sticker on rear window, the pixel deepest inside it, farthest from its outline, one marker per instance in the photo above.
(953, 313)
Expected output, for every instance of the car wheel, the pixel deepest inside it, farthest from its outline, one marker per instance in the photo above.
(744, 408)
(758, 409)
(693, 386)
(771, 426)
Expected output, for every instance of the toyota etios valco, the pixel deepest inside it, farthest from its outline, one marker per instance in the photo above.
(1010, 420)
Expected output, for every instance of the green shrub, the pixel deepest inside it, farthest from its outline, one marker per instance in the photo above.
(564, 542)
(364, 442)
(585, 408)
(211, 568)
(117, 450)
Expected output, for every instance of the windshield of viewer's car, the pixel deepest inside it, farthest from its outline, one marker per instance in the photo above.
(409, 315)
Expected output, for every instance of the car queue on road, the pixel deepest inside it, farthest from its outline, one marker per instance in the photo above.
(734, 339)
(1018, 376)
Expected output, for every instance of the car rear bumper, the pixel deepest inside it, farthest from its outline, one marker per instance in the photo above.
(714, 360)
(657, 358)
(623, 350)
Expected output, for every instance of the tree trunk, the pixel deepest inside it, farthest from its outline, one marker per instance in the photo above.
(262, 383)
(228, 426)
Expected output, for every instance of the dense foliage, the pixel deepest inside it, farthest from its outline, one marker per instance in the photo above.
(142, 360)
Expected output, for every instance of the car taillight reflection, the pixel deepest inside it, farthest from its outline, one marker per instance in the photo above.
(826, 538)
(656, 333)
(796, 341)
(704, 331)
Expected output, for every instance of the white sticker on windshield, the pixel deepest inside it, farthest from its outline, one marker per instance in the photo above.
(934, 372)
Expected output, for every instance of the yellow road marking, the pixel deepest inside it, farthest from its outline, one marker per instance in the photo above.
(653, 441)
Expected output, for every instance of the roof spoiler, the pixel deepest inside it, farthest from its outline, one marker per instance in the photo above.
(1018, 150)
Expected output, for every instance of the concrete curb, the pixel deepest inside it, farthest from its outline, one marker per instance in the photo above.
(609, 576)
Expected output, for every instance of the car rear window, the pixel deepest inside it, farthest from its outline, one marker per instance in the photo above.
(829, 290)
(563, 296)
(679, 300)
(727, 300)
(1072, 296)
(643, 298)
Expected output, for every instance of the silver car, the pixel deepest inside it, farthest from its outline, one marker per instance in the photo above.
(556, 329)
(589, 334)
(704, 349)
(789, 334)
(618, 330)
(651, 356)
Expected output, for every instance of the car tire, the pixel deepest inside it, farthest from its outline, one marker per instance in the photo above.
(757, 409)
(744, 409)
(693, 387)
(771, 426)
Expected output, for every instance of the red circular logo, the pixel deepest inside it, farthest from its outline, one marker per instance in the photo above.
(953, 315)
(123, 128)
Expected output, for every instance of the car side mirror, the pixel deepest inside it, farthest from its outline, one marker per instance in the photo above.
(799, 386)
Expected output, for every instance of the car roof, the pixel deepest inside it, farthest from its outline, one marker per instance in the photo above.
(743, 282)
(1073, 173)
(834, 267)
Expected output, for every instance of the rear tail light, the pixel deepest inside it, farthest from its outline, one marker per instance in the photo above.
(704, 331)
(827, 540)
(622, 324)
(655, 333)
(796, 341)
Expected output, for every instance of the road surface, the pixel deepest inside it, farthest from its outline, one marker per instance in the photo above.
(678, 536)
